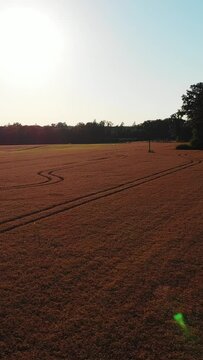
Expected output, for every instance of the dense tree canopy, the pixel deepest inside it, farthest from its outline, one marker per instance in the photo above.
(192, 107)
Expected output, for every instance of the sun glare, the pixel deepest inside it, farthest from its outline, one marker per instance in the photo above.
(31, 47)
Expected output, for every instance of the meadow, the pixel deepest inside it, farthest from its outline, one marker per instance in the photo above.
(99, 248)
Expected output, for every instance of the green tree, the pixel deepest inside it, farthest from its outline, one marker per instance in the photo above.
(192, 107)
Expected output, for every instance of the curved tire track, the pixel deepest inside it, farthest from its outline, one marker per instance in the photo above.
(50, 178)
(36, 215)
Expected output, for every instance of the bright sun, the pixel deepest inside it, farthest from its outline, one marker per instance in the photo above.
(31, 47)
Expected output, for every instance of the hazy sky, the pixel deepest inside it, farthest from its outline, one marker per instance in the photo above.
(115, 60)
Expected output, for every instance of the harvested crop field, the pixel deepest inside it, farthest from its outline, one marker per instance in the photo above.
(100, 245)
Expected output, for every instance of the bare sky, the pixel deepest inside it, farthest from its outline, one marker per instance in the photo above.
(121, 61)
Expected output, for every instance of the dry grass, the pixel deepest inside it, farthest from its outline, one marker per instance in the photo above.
(100, 277)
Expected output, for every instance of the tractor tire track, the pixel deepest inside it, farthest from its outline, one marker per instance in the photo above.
(50, 178)
(29, 148)
(98, 192)
(54, 209)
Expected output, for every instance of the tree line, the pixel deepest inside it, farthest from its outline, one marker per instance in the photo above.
(95, 132)
(184, 125)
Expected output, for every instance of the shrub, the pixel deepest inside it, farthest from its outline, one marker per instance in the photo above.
(184, 147)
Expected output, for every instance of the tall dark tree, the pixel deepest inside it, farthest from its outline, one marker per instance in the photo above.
(193, 108)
